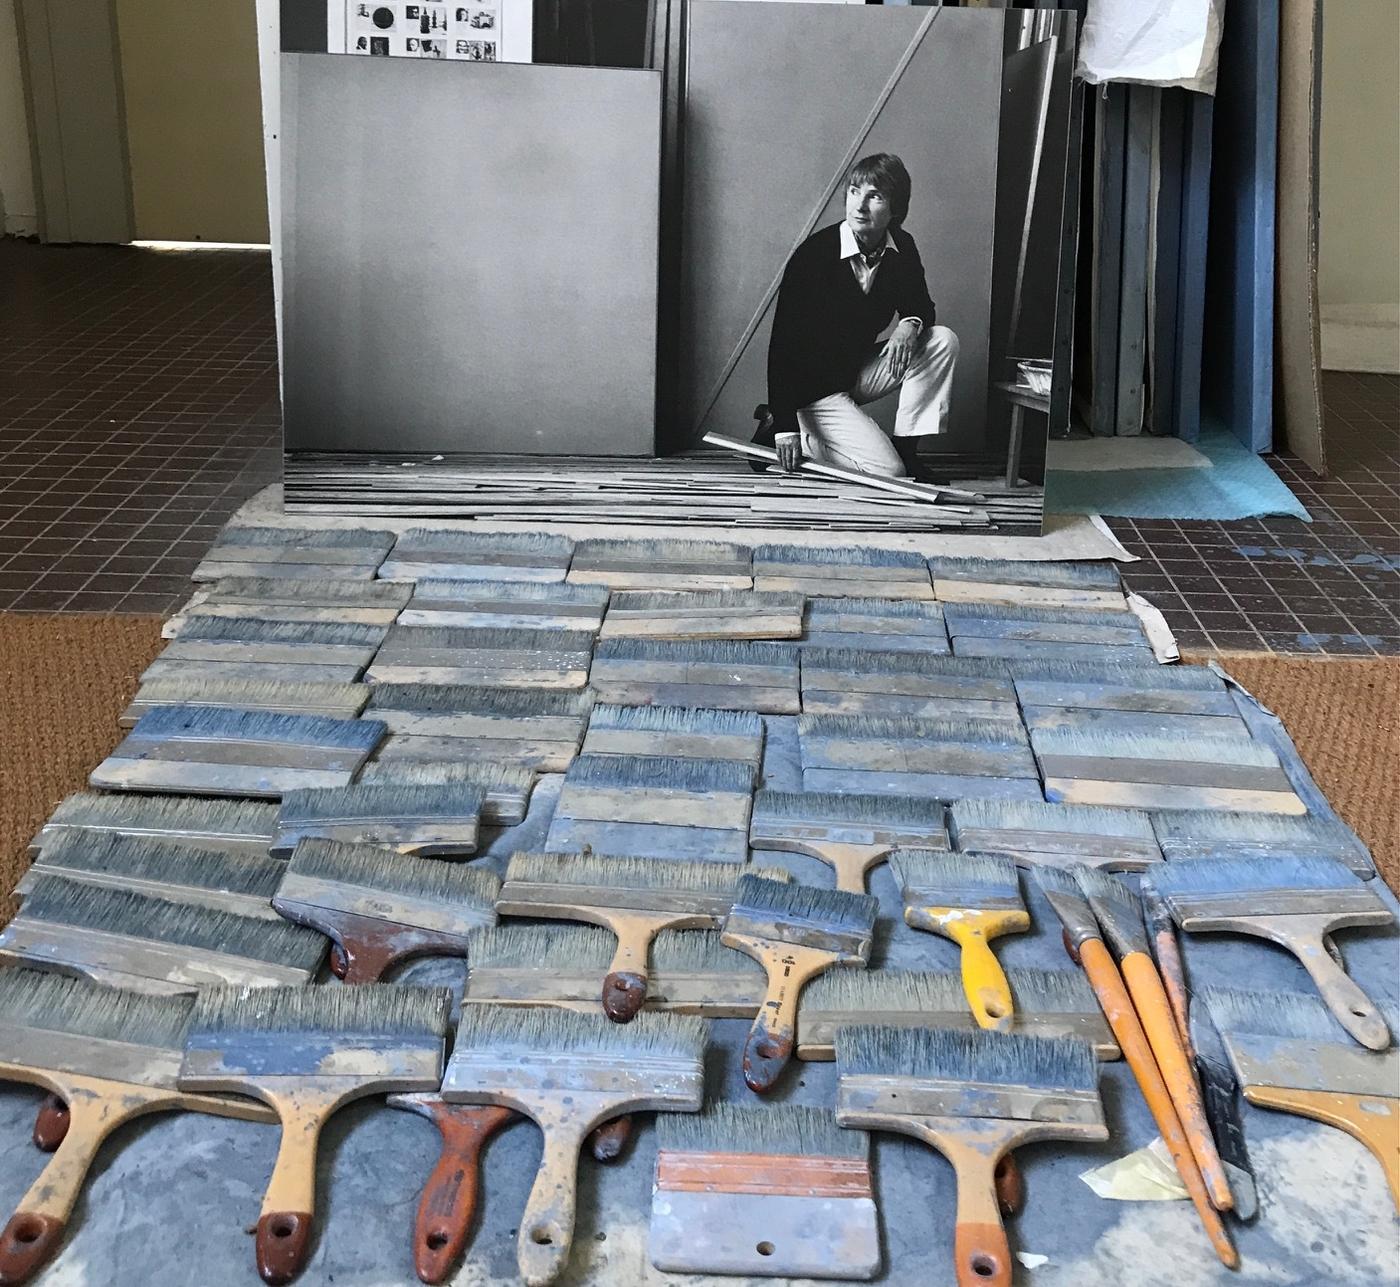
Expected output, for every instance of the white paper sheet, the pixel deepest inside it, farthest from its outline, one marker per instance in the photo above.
(1152, 42)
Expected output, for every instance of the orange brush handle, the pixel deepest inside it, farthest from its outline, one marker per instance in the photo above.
(1122, 1018)
(1155, 1012)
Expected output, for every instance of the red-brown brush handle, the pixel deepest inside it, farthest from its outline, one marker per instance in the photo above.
(51, 1123)
(608, 1140)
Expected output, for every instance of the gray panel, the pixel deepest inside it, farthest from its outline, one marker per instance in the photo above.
(470, 257)
(776, 96)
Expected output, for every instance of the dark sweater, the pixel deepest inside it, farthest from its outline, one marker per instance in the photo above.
(825, 326)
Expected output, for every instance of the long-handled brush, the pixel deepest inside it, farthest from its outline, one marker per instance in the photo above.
(570, 1073)
(430, 820)
(1083, 938)
(1047, 1003)
(201, 750)
(675, 731)
(155, 945)
(507, 786)
(370, 603)
(795, 933)
(1068, 585)
(507, 605)
(335, 701)
(634, 898)
(488, 657)
(849, 833)
(854, 681)
(666, 564)
(971, 900)
(1214, 834)
(1291, 1055)
(383, 908)
(975, 1097)
(778, 1190)
(306, 1052)
(112, 1055)
(424, 553)
(1119, 913)
(710, 614)
(304, 553)
(1297, 903)
(1033, 834)
(711, 674)
(211, 648)
(236, 826)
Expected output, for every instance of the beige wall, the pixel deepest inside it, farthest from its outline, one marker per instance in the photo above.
(1360, 153)
(19, 206)
(194, 119)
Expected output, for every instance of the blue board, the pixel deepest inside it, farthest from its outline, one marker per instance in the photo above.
(1171, 125)
(1110, 141)
(1197, 132)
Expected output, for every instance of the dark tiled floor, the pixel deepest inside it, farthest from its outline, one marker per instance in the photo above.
(138, 410)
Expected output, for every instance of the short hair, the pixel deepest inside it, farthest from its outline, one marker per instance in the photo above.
(886, 172)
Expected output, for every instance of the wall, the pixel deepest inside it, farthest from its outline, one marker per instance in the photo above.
(19, 205)
(1359, 266)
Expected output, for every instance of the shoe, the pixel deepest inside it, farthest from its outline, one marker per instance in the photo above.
(763, 436)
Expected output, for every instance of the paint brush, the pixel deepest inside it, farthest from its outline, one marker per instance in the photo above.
(675, 731)
(1119, 912)
(570, 1073)
(1032, 833)
(370, 603)
(876, 625)
(201, 750)
(512, 605)
(216, 648)
(1048, 584)
(634, 898)
(665, 564)
(316, 554)
(1297, 903)
(507, 786)
(708, 614)
(1084, 942)
(236, 826)
(975, 1097)
(152, 944)
(854, 681)
(382, 908)
(1046, 1003)
(777, 1190)
(335, 701)
(1212, 833)
(306, 1052)
(849, 833)
(971, 900)
(429, 820)
(485, 656)
(109, 1053)
(1023, 634)
(426, 553)
(847, 571)
(1290, 1054)
(709, 674)
(795, 933)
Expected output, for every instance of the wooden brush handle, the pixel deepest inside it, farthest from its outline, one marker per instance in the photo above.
(608, 1140)
(51, 1123)
(448, 1202)
(1155, 1013)
(981, 1251)
(851, 863)
(1168, 952)
(1375, 1122)
(1010, 1185)
(547, 1225)
(773, 1034)
(1344, 997)
(1127, 1031)
(625, 988)
(983, 979)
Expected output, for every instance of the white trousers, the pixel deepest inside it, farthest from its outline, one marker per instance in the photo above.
(836, 431)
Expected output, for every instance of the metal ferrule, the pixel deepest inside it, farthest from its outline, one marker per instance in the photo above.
(928, 1097)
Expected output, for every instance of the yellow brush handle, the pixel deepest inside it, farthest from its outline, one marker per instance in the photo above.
(984, 981)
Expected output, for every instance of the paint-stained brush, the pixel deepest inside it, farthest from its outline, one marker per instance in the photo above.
(486, 656)
(709, 614)
(634, 898)
(1220, 1091)
(335, 701)
(507, 786)
(304, 553)
(112, 1055)
(876, 625)
(1032, 833)
(570, 1073)
(1022, 634)
(667, 564)
(383, 908)
(777, 1190)
(1119, 913)
(370, 603)
(853, 681)
(1294, 902)
(306, 1052)
(795, 933)
(675, 730)
(153, 944)
(975, 1097)
(848, 571)
(1084, 941)
(1046, 1003)
(1076, 585)
(424, 553)
(971, 900)
(717, 674)
(1291, 1055)
(849, 833)
(238, 826)
(1211, 833)
(434, 819)
(206, 751)
(208, 648)
(509, 605)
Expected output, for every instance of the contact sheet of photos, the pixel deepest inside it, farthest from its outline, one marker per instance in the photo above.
(471, 33)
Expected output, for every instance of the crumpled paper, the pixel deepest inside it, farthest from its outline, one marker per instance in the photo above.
(1147, 1175)
(1152, 42)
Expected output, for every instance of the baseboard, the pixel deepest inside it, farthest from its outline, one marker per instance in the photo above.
(1361, 337)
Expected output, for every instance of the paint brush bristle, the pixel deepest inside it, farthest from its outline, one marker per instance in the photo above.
(487, 638)
(620, 873)
(777, 1130)
(1142, 746)
(1047, 575)
(312, 592)
(387, 800)
(449, 540)
(820, 808)
(165, 814)
(1281, 830)
(311, 537)
(682, 952)
(545, 592)
(1195, 876)
(1117, 907)
(1064, 895)
(222, 1014)
(976, 1057)
(930, 665)
(1298, 1016)
(931, 878)
(981, 732)
(861, 606)
(148, 858)
(1118, 674)
(55, 1003)
(847, 556)
(657, 550)
(489, 776)
(934, 993)
(543, 948)
(254, 630)
(524, 703)
(252, 694)
(759, 601)
(660, 772)
(211, 724)
(676, 719)
(1033, 815)
(504, 1035)
(717, 652)
(801, 907)
(1017, 612)
(470, 890)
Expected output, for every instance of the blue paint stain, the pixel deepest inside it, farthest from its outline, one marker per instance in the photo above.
(1319, 642)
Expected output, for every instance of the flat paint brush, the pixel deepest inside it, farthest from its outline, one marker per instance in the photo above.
(634, 898)
(429, 820)
(301, 552)
(1291, 1055)
(1119, 912)
(383, 908)
(1220, 1091)
(336, 701)
(854, 681)
(156, 945)
(540, 730)
(306, 1052)
(713, 674)
(424, 553)
(709, 614)
(1075, 585)
(1046, 1003)
(334, 652)
(485, 656)
(235, 826)
(876, 625)
(677, 731)
(1212, 833)
(1027, 634)
(975, 1097)
(1084, 941)
(849, 833)
(666, 564)
(779, 1190)
(112, 1055)
(370, 603)
(513, 605)
(507, 786)
(1297, 903)
(971, 900)
(847, 571)
(1033, 834)
(570, 1073)
(201, 750)
(795, 933)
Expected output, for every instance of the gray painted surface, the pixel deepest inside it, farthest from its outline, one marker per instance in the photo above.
(776, 96)
(469, 256)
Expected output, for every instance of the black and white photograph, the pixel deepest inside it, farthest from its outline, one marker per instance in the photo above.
(478, 51)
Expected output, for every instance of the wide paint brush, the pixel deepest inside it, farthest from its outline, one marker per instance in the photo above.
(795, 933)
(427, 819)
(1032, 833)
(277, 696)
(971, 900)
(507, 786)
(237, 826)
(1297, 903)
(975, 1097)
